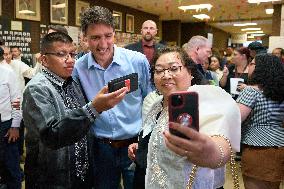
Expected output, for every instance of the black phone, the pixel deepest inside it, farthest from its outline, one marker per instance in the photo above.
(239, 83)
(130, 81)
(183, 109)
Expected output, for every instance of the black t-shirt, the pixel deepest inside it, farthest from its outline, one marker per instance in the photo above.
(233, 74)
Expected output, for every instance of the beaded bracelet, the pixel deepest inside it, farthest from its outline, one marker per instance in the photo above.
(222, 157)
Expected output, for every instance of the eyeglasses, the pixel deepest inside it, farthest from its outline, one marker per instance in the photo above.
(63, 55)
(173, 70)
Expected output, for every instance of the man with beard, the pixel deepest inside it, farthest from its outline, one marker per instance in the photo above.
(147, 45)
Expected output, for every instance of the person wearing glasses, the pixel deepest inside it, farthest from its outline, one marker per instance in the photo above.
(175, 162)
(118, 127)
(58, 120)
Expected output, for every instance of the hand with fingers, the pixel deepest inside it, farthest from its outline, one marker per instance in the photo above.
(225, 71)
(16, 104)
(12, 134)
(104, 100)
(132, 148)
(200, 149)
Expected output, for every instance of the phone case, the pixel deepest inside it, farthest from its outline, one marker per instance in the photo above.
(130, 81)
(183, 109)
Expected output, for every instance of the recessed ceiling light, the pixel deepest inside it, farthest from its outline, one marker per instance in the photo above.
(254, 32)
(250, 29)
(196, 7)
(250, 37)
(246, 24)
(269, 11)
(201, 16)
(258, 34)
(261, 1)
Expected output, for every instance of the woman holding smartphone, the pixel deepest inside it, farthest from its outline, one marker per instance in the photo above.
(175, 162)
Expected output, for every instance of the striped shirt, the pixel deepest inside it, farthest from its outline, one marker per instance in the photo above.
(263, 126)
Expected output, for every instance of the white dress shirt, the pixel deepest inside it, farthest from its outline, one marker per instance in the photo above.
(22, 70)
(9, 92)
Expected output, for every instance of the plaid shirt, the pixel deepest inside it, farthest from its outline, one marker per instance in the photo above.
(263, 126)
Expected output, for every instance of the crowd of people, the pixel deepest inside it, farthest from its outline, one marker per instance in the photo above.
(80, 135)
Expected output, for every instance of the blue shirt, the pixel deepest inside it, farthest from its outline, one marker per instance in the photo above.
(125, 119)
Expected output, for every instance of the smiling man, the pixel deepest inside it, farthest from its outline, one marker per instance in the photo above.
(58, 120)
(147, 45)
(118, 127)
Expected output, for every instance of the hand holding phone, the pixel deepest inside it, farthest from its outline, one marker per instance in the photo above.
(130, 81)
(183, 109)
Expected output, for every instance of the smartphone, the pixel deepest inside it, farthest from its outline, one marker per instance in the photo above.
(239, 83)
(130, 81)
(183, 109)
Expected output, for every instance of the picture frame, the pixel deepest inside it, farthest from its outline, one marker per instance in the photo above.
(0, 7)
(59, 11)
(129, 23)
(117, 20)
(27, 9)
(80, 7)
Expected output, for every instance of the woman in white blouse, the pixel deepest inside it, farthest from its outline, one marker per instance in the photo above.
(172, 160)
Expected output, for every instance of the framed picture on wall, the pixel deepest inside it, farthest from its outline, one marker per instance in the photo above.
(27, 9)
(59, 11)
(0, 7)
(129, 23)
(117, 20)
(80, 8)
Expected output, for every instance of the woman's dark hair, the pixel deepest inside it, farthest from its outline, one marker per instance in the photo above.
(245, 51)
(269, 76)
(221, 63)
(185, 60)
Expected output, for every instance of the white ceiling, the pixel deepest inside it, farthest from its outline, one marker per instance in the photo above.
(223, 11)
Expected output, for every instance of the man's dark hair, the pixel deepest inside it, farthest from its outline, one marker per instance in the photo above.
(96, 15)
(269, 76)
(58, 28)
(14, 47)
(50, 38)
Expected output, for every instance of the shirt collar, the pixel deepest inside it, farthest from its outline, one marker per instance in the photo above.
(116, 58)
(144, 44)
(55, 78)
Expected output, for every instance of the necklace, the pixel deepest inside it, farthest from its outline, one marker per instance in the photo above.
(239, 75)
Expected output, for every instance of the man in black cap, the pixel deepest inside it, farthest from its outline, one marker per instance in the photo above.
(256, 48)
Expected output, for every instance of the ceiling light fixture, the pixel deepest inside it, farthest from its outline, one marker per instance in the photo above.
(250, 29)
(201, 16)
(261, 1)
(246, 24)
(250, 37)
(258, 34)
(269, 11)
(254, 32)
(198, 7)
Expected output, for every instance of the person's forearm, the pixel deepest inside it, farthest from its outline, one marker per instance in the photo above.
(223, 81)
(221, 153)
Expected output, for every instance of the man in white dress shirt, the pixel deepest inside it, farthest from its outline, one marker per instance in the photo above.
(10, 119)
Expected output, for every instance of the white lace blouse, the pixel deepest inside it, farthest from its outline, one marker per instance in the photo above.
(218, 115)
